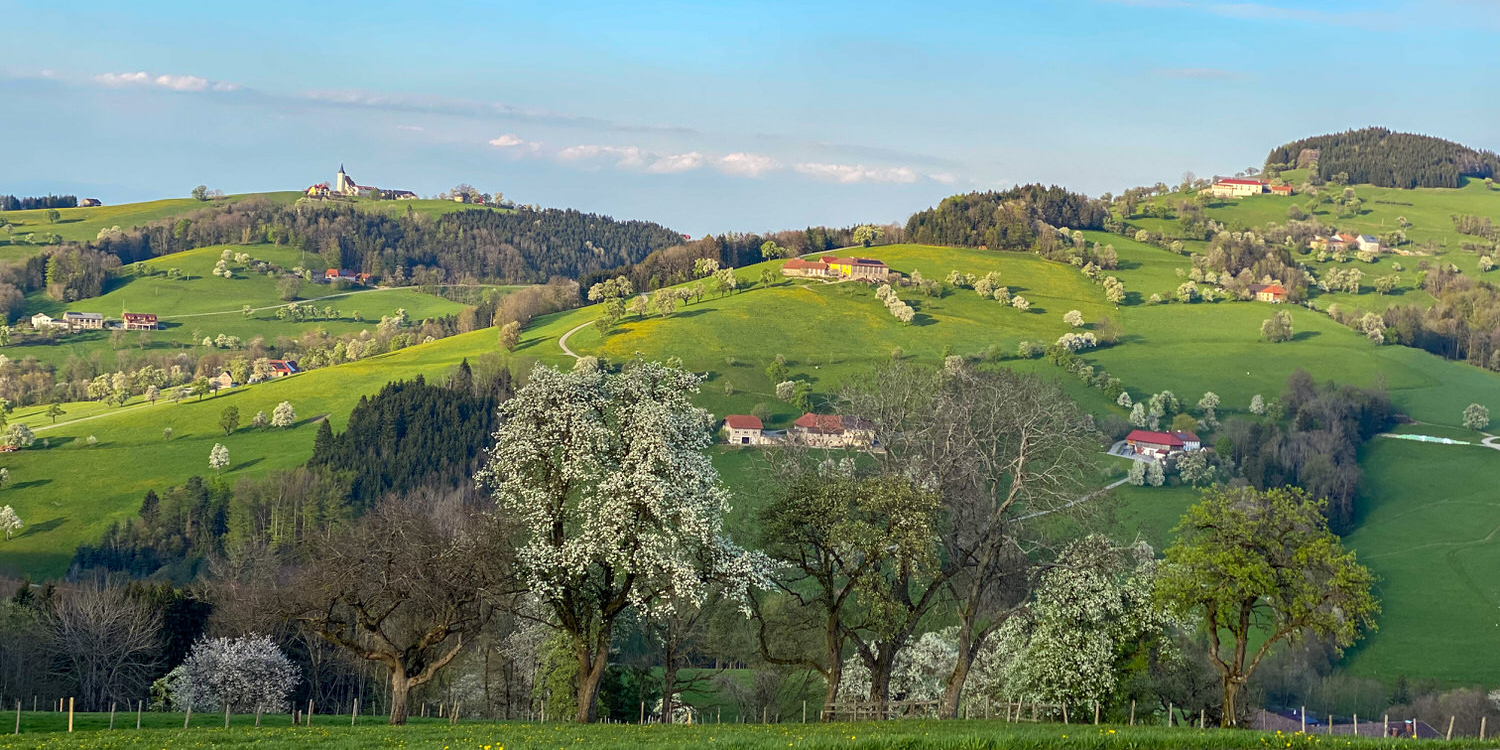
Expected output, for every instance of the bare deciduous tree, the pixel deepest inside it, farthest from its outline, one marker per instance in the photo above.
(108, 644)
(403, 587)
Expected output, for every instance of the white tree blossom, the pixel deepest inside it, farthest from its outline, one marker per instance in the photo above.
(283, 415)
(1073, 318)
(618, 505)
(1020, 303)
(1476, 417)
(1068, 645)
(10, 523)
(19, 435)
(786, 390)
(249, 675)
(218, 458)
(920, 672)
(1124, 399)
(1077, 342)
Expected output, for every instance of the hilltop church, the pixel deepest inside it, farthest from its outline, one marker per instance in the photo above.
(344, 185)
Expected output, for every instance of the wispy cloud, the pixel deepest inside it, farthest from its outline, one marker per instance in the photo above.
(745, 164)
(850, 174)
(736, 164)
(173, 82)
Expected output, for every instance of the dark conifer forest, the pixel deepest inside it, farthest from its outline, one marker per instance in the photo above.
(1381, 157)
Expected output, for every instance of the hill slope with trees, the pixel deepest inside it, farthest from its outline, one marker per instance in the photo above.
(1381, 157)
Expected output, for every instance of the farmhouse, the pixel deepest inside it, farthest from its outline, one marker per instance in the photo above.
(839, 268)
(744, 430)
(139, 322)
(89, 203)
(800, 267)
(1236, 188)
(320, 190)
(281, 368)
(832, 431)
(221, 381)
(1161, 445)
(79, 321)
(336, 274)
(1281, 189)
(1368, 243)
(43, 320)
(1268, 292)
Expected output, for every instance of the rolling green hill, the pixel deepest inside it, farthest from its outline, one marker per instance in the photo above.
(201, 304)
(69, 492)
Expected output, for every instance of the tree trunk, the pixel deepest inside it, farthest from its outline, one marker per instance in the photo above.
(668, 683)
(831, 690)
(953, 692)
(880, 684)
(1231, 692)
(400, 689)
(590, 675)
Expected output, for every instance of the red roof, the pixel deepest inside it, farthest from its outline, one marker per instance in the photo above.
(829, 424)
(1186, 437)
(282, 365)
(140, 317)
(1272, 288)
(1346, 237)
(798, 264)
(1281, 188)
(1154, 438)
(1237, 181)
(742, 422)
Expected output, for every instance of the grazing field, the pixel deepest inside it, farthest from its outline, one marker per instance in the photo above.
(1429, 526)
(201, 304)
(68, 492)
(81, 224)
(914, 734)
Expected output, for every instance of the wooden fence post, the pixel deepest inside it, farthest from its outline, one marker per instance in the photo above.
(111, 716)
(643, 712)
(1096, 713)
(1303, 713)
(1385, 726)
(18, 717)
(1065, 713)
(1482, 721)
(1169, 714)
(307, 717)
(1132, 712)
(70, 714)
(804, 713)
(138, 706)
(1356, 725)
(355, 713)
(187, 717)
(257, 717)
(1414, 726)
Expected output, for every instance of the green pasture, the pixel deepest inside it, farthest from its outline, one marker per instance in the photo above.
(68, 492)
(1429, 527)
(82, 224)
(829, 332)
(333, 732)
(201, 304)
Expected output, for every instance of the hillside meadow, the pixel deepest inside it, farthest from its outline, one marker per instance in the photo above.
(83, 224)
(200, 304)
(69, 491)
(830, 333)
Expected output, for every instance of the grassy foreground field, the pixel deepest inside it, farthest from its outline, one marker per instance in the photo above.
(915, 734)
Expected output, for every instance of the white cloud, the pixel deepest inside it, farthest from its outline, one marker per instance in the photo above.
(175, 83)
(849, 174)
(514, 142)
(677, 163)
(946, 178)
(624, 157)
(413, 128)
(743, 164)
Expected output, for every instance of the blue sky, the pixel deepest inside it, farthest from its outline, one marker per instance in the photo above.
(713, 117)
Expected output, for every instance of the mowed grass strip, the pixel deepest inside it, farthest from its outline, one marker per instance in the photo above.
(334, 732)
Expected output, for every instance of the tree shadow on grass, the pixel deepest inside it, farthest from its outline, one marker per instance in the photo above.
(32, 483)
(246, 464)
(689, 313)
(1305, 335)
(923, 319)
(44, 526)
